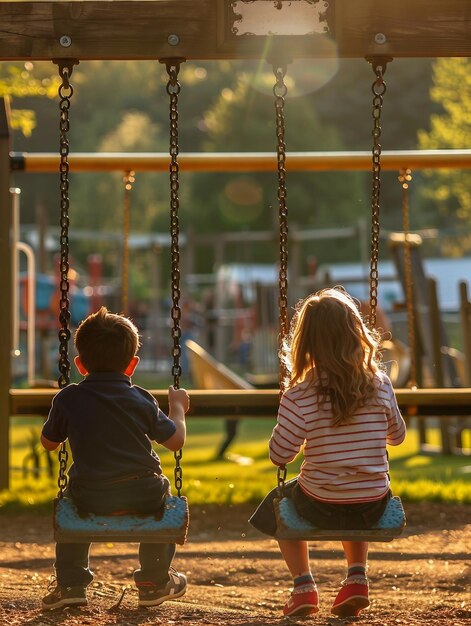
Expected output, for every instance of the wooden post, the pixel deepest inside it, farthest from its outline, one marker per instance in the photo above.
(465, 308)
(437, 365)
(155, 348)
(220, 347)
(188, 257)
(419, 375)
(6, 288)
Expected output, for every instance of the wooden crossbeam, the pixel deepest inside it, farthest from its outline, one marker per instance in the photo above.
(242, 161)
(210, 29)
(261, 402)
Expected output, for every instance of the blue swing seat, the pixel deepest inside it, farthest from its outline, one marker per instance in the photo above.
(72, 526)
(290, 525)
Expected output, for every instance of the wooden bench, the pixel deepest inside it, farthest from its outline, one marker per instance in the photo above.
(261, 402)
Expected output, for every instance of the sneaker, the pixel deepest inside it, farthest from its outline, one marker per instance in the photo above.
(302, 603)
(152, 595)
(351, 599)
(64, 596)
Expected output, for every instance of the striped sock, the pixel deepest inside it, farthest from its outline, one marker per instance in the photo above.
(356, 573)
(304, 583)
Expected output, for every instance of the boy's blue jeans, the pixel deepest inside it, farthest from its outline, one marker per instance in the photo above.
(141, 494)
(72, 566)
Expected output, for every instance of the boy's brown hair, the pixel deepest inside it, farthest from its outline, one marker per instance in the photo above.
(106, 342)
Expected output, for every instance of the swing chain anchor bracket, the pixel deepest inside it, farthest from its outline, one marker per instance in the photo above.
(173, 68)
(379, 65)
(66, 64)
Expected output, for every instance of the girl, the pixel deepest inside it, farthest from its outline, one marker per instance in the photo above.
(341, 407)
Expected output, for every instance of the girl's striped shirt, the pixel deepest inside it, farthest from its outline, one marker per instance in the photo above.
(342, 464)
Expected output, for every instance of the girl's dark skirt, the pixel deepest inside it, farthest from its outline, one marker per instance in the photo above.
(358, 516)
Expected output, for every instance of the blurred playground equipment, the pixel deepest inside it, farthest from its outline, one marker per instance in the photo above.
(208, 373)
(238, 324)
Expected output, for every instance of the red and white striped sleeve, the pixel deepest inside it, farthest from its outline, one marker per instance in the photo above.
(289, 433)
(396, 425)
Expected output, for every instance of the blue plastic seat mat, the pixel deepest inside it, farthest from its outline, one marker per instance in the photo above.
(290, 525)
(72, 526)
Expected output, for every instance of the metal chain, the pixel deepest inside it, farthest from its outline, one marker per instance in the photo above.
(62, 478)
(405, 176)
(280, 90)
(65, 94)
(128, 180)
(379, 89)
(281, 479)
(178, 472)
(173, 90)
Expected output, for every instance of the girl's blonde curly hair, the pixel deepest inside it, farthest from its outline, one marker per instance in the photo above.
(330, 345)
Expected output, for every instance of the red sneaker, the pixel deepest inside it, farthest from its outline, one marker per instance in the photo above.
(351, 599)
(302, 603)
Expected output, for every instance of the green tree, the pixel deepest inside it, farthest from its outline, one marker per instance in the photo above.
(243, 119)
(346, 102)
(123, 105)
(450, 190)
(21, 81)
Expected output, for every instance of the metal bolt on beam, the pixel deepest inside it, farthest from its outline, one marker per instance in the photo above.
(173, 40)
(65, 41)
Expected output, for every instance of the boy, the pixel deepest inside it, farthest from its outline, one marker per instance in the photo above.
(110, 423)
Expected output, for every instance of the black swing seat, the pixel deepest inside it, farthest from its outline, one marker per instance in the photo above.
(72, 526)
(290, 525)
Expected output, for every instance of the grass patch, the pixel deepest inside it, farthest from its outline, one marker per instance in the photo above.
(415, 477)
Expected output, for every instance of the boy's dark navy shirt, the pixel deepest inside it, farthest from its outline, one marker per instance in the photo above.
(109, 423)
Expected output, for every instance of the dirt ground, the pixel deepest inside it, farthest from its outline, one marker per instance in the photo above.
(237, 578)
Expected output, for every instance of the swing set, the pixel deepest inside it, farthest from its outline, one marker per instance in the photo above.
(174, 31)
